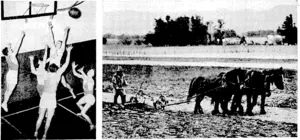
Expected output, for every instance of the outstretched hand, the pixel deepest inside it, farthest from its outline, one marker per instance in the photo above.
(22, 33)
(81, 69)
(69, 48)
(74, 65)
(46, 46)
(67, 29)
(50, 24)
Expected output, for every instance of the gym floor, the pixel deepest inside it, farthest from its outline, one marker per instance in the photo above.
(20, 121)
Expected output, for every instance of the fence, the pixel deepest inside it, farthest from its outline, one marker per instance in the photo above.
(238, 51)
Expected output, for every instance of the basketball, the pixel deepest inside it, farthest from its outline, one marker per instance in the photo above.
(74, 13)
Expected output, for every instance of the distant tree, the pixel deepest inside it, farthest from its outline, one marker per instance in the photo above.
(168, 30)
(181, 31)
(168, 18)
(198, 31)
(229, 33)
(219, 33)
(125, 39)
(260, 33)
(160, 32)
(104, 41)
(150, 39)
(109, 36)
(289, 30)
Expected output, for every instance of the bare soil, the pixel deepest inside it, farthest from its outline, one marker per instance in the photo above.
(143, 122)
(140, 121)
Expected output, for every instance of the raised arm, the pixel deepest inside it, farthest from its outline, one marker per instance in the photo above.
(64, 41)
(51, 35)
(32, 68)
(18, 45)
(75, 72)
(45, 56)
(64, 67)
(82, 72)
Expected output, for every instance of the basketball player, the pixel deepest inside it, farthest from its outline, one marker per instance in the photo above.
(88, 86)
(48, 98)
(39, 71)
(13, 69)
(57, 50)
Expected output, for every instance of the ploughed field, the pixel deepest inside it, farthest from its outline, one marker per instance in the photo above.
(173, 82)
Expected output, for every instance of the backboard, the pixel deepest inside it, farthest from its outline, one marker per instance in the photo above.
(27, 9)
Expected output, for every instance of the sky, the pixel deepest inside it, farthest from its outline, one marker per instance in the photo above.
(184, 5)
(137, 16)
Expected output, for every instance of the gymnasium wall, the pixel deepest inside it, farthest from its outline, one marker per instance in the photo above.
(36, 29)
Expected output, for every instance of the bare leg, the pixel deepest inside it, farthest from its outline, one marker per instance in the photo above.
(42, 112)
(87, 118)
(7, 94)
(48, 122)
(65, 84)
(80, 105)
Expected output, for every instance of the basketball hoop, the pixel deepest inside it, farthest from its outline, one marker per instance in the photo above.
(41, 6)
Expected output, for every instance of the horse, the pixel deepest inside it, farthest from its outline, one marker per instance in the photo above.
(231, 86)
(201, 87)
(258, 83)
(219, 88)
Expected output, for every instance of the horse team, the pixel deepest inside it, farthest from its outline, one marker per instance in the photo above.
(234, 84)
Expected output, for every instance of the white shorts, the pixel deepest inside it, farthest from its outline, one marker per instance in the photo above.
(87, 99)
(12, 77)
(48, 101)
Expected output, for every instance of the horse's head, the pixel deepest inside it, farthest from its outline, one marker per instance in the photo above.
(277, 77)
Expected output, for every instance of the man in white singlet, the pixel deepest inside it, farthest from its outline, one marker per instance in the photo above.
(11, 78)
(39, 71)
(48, 99)
(88, 87)
(57, 50)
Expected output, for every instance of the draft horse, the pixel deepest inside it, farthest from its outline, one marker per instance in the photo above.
(259, 83)
(220, 88)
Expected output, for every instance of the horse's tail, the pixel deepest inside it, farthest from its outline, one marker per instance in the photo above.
(191, 87)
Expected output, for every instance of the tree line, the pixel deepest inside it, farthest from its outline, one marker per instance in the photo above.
(289, 30)
(183, 31)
